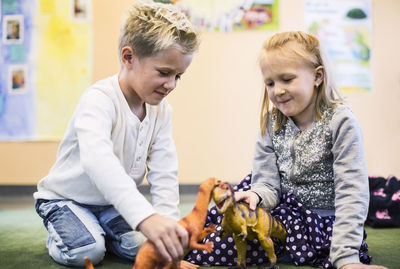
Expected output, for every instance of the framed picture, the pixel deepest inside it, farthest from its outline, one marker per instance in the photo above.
(80, 10)
(13, 29)
(17, 79)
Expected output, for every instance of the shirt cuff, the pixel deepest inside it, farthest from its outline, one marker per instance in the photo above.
(134, 221)
(266, 198)
(346, 260)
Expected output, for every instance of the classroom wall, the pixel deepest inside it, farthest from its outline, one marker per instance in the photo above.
(216, 104)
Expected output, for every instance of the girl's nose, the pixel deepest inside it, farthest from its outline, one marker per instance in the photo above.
(279, 90)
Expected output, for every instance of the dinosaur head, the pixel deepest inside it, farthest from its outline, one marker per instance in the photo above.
(206, 188)
(210, 183)
(223, 196)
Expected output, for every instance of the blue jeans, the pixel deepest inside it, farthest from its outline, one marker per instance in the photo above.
(77, 230)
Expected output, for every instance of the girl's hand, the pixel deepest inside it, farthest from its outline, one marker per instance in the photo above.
(188, 265)
(362, 266)
(249, 197)
(168, 236)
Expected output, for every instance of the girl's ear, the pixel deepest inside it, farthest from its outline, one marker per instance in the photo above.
(319, 75)
(127, 55)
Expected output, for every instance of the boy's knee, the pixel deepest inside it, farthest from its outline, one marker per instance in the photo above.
(73, 234)
(129, 245)
(75, 257)
(133, 241)
(95, 254)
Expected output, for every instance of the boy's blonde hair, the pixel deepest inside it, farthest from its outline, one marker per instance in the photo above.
(306, 48)
(151, 27)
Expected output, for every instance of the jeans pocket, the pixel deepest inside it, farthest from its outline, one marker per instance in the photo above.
(69, 227)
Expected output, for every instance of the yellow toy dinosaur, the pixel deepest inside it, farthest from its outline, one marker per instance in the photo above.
(244, 223)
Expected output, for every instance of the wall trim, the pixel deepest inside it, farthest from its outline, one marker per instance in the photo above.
(14, 190)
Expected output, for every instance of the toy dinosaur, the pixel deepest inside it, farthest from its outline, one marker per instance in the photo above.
(88, 263)
(148, 258)
(245, 223)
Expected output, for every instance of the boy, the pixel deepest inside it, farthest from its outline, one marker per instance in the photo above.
(89, 201)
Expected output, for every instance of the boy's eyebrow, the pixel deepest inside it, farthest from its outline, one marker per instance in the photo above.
(165, 68)
(169, 69)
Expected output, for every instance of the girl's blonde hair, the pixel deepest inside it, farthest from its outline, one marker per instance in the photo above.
(151, 27)
(306, 48)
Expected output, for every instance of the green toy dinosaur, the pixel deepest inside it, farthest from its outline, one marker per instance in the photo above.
(244, 223)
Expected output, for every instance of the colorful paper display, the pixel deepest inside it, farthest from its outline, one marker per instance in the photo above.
(45, 66)
(345, 31)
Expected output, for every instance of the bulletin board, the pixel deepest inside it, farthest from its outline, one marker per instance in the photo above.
(230, 15)
(46, 62)
(345, 31)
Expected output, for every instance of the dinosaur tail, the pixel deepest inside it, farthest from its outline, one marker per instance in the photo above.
(278, 230)
(88, 263)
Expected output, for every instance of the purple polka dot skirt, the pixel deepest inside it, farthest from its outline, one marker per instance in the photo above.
(307, 243)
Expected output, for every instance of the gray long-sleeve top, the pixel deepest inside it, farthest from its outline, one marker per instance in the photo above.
(325, 168)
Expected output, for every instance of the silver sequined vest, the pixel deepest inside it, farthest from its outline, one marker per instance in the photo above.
(305, 162)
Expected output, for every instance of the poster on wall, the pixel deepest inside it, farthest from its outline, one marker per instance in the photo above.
(46, 65)
(230, 15)
(345, 31)
(17, 97)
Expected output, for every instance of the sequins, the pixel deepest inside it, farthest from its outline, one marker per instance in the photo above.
(305, 162)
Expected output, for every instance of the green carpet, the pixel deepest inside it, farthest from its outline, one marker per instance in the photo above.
(23, 239)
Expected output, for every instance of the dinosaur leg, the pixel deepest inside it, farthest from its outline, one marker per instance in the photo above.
(206, 231)
(198, 236)
(242, 225)
(193, 244)
(241, 246)
(243, 234)
(268, 245)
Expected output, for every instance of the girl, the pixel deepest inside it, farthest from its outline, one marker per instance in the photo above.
(309, 164)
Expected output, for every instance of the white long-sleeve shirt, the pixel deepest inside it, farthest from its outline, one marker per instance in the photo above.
(105, 152)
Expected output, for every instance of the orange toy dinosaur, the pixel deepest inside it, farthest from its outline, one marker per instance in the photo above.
(88, 263)
(148, 258)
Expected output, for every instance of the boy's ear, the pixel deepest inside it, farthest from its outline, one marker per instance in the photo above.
(319, 75)
(127, 55)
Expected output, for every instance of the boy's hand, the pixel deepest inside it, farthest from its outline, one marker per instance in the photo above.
(167, 235)
(249, 197)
